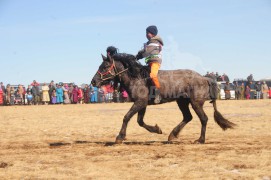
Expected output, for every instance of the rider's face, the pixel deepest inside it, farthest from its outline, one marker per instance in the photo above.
(149, 35)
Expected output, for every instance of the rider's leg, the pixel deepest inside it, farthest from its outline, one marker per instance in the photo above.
(154, 72)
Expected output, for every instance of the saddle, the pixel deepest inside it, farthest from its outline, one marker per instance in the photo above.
(145, 71)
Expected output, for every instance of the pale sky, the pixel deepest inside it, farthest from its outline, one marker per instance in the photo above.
(62, 40)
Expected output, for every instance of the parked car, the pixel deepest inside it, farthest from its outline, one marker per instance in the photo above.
(221, 85)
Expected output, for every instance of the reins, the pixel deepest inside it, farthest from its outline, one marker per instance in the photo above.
(116, 73)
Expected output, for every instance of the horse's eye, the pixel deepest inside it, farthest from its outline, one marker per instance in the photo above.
(107, 64)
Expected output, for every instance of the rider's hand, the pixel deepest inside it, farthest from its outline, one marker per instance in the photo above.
(139, 55)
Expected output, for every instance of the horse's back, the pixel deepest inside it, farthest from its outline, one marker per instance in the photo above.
(184, 81)
(186, 75)
(180, 71)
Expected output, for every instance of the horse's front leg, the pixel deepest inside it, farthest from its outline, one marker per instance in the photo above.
(140, 121)
(137, 106)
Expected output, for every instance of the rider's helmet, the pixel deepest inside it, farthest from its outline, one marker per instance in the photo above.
(112, 50)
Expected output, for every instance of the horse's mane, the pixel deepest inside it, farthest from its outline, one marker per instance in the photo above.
(135, 68)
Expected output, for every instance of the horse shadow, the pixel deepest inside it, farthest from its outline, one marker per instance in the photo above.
(111, 143)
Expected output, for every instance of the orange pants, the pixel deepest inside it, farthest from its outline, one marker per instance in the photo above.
(155, 66)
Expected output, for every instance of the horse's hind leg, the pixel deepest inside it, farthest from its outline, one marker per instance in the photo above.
(198, 107)
(152, 129)
(183, 104)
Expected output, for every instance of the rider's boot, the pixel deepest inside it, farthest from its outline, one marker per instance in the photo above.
(158, 97)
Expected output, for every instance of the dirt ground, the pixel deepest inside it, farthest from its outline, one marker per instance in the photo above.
(76, 142)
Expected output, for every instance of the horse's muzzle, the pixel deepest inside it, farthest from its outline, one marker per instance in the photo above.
(96, 84)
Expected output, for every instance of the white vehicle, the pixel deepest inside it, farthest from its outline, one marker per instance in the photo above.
(221, 86)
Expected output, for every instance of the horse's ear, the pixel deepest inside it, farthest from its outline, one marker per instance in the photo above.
(104, 58)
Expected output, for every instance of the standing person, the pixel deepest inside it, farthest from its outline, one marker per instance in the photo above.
(242, 91)
(227, 91)
(12, 96)
(80, 95)
(116, 96)
(66, 97)
(70, 90)
(4, 92)
(258, 90)
(36, 93)
(94, 94)
(86, 94)
(21, 92)
(53, 97)
(75, 95)
(17, 98)
(269, 92)
(252, 93)
(153, 57)
(105, 93)
(29, 89)
(101, 95)
(124, 95)
(29, 97)
(247, 92)
(265, 90)
(8, 88)
(59, 94)
(109, 90)
(51, 88)
(237, 90)
(1, 96)
(28, 93)
(65, 87)
(2, 87)
(45, 93)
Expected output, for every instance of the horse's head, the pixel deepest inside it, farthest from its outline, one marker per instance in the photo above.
(115, 66)
(107, 71)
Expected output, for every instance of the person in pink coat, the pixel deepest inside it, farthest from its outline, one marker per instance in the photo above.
(80, 95)
(124, 95)
(1, 96)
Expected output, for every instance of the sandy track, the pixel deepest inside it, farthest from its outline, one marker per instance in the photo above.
(76, 142)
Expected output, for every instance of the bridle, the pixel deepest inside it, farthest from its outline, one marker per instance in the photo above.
(110, 71)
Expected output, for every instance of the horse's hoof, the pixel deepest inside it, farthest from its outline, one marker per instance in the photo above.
(159, 131)
(171, 137)
(118, 141)
(199, 141)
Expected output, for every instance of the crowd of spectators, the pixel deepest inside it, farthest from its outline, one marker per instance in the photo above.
(243, 88)
(60, 93)
(248, 90)
(216, 76)
(70, 93)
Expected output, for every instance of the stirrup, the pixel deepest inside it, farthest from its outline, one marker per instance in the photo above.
(158, 97)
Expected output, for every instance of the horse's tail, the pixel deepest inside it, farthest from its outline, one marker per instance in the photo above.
(220, 120)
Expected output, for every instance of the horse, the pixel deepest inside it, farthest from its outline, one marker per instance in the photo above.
(183, 86)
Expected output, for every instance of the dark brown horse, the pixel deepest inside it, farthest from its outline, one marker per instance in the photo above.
(183, 86)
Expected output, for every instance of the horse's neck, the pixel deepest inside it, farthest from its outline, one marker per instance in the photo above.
(129, 84)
